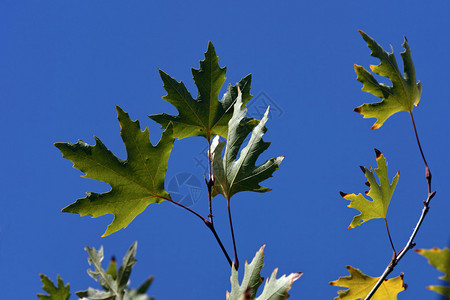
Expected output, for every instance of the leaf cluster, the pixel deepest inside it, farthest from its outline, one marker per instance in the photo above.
(113, 282)
(138, 180)
(274, 289)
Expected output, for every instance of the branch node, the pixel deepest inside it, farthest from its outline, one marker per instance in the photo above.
(432, 195)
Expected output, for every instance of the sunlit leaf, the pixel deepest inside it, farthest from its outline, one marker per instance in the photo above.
(404, 93)
(381, 193)
(359, 286)
(440, 259)
(274, 289)
(204, 116)
(60, 292)
(135, 182)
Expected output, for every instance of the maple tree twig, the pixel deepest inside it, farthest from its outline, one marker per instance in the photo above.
(208, 224)
(210, 181)
(236, 260)
(427, 169)
(410, 244)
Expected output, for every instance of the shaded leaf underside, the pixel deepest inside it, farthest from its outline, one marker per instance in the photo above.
(232, 174)
(274, 289)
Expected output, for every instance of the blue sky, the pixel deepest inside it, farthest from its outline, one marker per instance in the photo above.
(65, 65)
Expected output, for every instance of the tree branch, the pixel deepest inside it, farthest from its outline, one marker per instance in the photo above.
(410, 244)
(210, 181)
(236, 260)
(208, 224)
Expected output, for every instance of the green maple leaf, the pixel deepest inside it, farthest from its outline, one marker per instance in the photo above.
(60, 292)
(359, 286)
(381, 194)
(135, 182)
(112, 268)
(440, 259)
(404, 93)
(204, 116)
(232, 175)
(274, 289)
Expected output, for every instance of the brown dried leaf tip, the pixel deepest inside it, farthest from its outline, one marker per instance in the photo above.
(377, 152)
(343, 194)
(363, 169)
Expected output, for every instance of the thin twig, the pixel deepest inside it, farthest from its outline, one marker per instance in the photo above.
(187, 208)
(213, 230)
(236, 260)
(427, 169)
(410, 244)
(208, 224)
(210, 181)
(390, 240)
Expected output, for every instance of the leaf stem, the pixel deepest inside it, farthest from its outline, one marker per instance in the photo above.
(210, 181)
(208, 224)
(236, 260)
(390, 240)
(427, 169)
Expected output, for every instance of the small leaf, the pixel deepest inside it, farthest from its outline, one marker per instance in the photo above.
(59, 292)
(142, 289)
(440, 259)
(140, 293)
(98, 273)
(114, 288)
(136, 182)
(278, 288)
(381, 194)
(128, 262)
(232, 175)
(204, 116)
(274, 289)
(359, 286)
(112, 268)
(404, 93)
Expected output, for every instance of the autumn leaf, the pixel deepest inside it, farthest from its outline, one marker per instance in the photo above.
(381, 194)
(359, 286)
(204, 116)
(440, 259)
(232, 174)
(135, 182)
(274, 289)
(404, 93)
(60, 292)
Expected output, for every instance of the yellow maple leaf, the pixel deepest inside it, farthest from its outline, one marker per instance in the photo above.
(359, 286)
